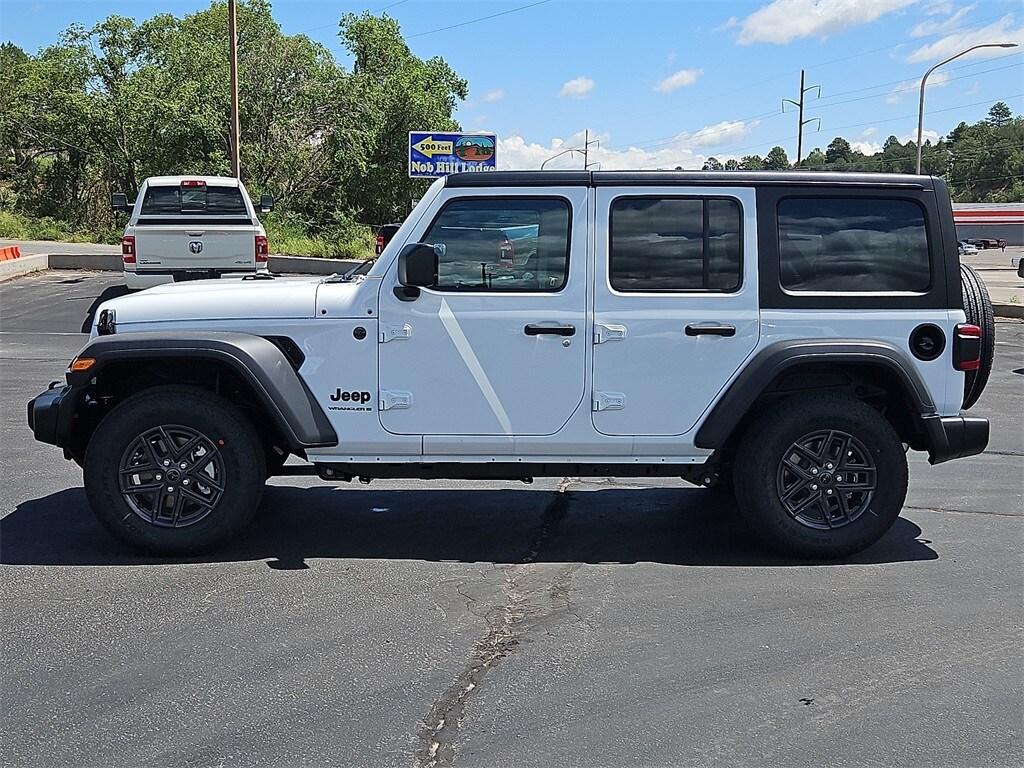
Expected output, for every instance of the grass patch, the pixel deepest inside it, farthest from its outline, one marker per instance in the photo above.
(16, 226)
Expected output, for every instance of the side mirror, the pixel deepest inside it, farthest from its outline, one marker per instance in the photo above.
(119, 202)
(417, 265)
(266, 203)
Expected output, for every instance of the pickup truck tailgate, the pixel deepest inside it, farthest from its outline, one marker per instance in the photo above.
(211, 246)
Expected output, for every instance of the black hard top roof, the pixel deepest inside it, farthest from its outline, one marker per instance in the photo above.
(681, 178)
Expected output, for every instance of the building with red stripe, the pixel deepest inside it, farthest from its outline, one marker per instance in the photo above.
(990, 220)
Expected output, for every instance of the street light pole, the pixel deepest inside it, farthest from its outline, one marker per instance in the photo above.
(924, 80)
(236, 153)
(563, 152)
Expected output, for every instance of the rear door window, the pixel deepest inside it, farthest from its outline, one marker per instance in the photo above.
(667, 244)
(853, 245)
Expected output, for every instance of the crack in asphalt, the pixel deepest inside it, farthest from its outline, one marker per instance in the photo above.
(508, 624)
(963, 511)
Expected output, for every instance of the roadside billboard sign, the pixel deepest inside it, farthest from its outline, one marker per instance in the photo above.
(433, 154)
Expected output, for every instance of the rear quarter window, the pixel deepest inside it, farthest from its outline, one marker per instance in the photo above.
(853, 245)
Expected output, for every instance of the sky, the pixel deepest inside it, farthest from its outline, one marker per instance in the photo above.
(661, 84)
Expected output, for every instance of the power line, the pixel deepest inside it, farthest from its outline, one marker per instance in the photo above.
(482, 18)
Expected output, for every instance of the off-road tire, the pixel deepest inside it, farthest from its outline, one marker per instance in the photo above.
(978, 308)
(761, 461)
(130, 436)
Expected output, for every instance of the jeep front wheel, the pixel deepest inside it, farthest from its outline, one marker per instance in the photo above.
(821, 477)
(174, 470)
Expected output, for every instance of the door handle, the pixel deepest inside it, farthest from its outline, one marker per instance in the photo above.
(195, 233)
(710, 329)
(552, 330)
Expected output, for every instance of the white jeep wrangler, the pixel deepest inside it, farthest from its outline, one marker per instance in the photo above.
(787, 334)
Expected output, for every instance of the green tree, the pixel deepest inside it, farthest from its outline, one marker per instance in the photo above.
(712, 164)
(395, 92)
(751, 163)
(1000, 114)
(838, 151)
(732, 164)
(776, 160)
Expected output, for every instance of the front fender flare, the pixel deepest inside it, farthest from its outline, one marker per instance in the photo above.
(259, 362)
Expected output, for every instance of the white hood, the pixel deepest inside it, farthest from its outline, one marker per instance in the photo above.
(225, 299)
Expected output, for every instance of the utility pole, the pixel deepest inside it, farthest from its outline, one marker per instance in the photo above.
(800, 120)
(236, 169)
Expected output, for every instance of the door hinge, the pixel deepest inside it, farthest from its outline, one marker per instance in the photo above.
(391, 332)
(391, 399)
(609, 401)
(603, 333)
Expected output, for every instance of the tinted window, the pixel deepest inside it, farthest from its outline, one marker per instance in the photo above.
(853, 245)
(508, 244)
(208, 199)
(674, 244)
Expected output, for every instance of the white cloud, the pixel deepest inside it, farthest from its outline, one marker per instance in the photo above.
(1002, 31)
(869, 132)
(782, 21)
(496, 95)
(930, 27)
(729, 23)
(687, 149)
(940, 7)
(680, 79)
(936, 80)
(577, 88)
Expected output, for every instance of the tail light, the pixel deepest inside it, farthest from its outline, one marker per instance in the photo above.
(193, 183)
(262, 249)
(380, 244)
(128, 249)
(967, 347)
(506, 251)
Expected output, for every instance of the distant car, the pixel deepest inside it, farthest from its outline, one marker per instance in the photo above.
(968, 249)
(384, 235)
(1018, 263)
(989, 242)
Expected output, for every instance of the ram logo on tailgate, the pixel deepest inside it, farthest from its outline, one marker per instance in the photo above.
(195, 246)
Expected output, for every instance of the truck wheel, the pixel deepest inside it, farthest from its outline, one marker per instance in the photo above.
(978, 308)
(174, 470)
(820, 477)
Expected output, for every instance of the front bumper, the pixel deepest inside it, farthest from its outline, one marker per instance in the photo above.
(50, 414)
(954, 437)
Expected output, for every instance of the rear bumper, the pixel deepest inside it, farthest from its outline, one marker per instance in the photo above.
(954, 437)
(140, 279)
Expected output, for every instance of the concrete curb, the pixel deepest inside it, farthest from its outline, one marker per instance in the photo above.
(22, 266)
(290, 265)
(1009, 310)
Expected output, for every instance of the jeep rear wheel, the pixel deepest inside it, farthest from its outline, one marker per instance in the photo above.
(820, 477)
(174, 470)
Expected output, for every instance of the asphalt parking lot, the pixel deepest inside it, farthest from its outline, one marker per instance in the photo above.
(566, 623)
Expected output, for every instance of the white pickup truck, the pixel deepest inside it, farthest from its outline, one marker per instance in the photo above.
(191, 227)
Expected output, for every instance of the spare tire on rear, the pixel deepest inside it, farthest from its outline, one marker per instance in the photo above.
(978, 308)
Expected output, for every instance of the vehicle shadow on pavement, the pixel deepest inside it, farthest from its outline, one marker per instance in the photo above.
(111, 292)
(672, 526)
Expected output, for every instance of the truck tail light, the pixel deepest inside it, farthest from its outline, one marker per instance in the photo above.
(193, 183)
(380, 244)
(967, 347)
(128, 249)
(262, 249)
(506, 252)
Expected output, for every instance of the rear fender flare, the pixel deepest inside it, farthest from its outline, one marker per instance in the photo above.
(731, 408)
